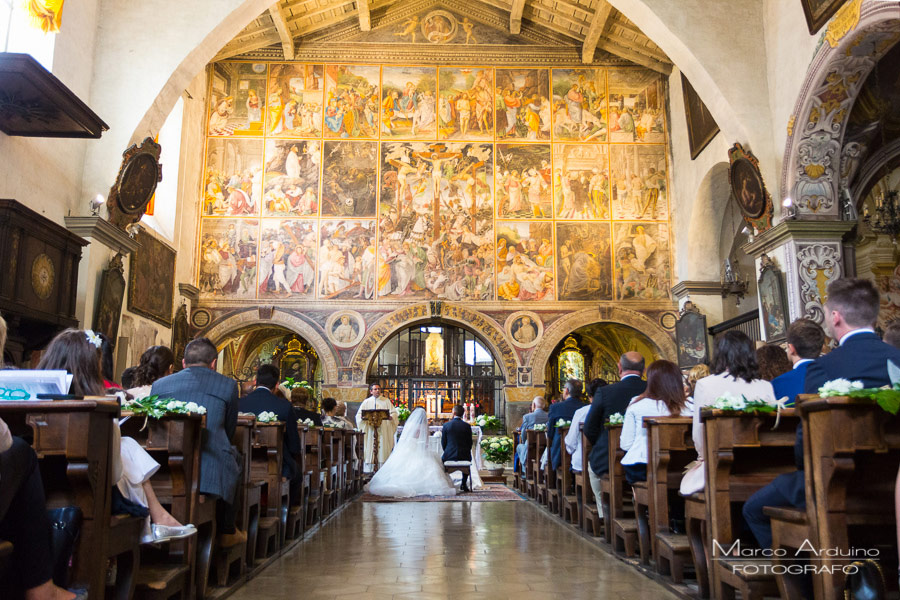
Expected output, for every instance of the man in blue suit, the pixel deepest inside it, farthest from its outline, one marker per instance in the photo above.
(804, 344)
(562, 410)
(850, 314)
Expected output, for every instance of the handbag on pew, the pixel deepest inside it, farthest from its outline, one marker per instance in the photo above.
(65, 526)
(867, 583)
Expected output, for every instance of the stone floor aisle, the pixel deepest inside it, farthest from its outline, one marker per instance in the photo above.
(458, 550)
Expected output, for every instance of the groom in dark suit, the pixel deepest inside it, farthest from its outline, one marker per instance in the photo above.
(456, 440)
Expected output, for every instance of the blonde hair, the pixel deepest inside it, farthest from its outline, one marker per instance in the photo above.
(697, 373)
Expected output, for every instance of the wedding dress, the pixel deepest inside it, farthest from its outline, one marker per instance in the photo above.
(412, 469)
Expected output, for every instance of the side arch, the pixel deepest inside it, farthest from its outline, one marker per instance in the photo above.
(559, 329)
(706, 224)
(301, 327)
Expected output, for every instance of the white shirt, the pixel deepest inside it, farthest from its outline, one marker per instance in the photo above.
(573, 437)
(802, 361)
(849, 334)
(634, 434)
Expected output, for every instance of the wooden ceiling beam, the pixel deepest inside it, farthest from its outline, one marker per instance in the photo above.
(365, 16)
(248, 46)
(284, 32)
(515, 17)
(634, 56)
(595, 31)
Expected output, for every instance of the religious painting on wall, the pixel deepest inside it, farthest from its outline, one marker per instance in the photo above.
(638, 182)
(642, 261)
(466, 103)
(579, 105)
(525, 261)
(347, 260)
(581, 181)
(181, 335)
(151, 282)
(748, 188)
(349, 179)
(435, 221)
(702, 128)
(294, 100)
(233, 181)
(772, 303)
(287, 258)
(228, 258)
(691, 339)
(409, 102)
(291, 186)
(352, 99)
(583, 253)
(522, 180)
(636, 112)
(110, 299)
(236, 99)
(523, 106)
(818, 12)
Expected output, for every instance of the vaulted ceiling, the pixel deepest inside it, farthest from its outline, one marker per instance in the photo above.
(594, 28)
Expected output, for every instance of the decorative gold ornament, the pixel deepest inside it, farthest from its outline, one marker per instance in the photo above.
(845, 20)
(42, 276)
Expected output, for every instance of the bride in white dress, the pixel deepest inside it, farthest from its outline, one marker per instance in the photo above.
(412, 469)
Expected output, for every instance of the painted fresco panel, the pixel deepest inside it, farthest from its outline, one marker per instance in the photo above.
(581, 181)
(233, 181)
(349, 179)
(347, 260)
(583, 254)
(287, 259)
(579, 105)
(636, 112)
(465, 104)
(525, 260)
(523, 104)
(292, 178)
(228, 258)
(409, 103)
(352, 97)
(522, 180)
(638, 182)
(435, 221)
(642, 261)
(237, 99)
(294, 100)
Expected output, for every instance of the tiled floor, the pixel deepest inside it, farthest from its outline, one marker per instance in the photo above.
(489, 551)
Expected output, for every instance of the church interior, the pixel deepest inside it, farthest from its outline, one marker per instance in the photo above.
(486, 211)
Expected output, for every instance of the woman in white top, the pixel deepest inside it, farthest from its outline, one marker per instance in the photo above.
(663, 397)
(736, 371)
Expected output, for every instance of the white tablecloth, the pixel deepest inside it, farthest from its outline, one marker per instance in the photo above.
(434, 442)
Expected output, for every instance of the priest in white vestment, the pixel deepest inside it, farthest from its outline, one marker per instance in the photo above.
(385, 432)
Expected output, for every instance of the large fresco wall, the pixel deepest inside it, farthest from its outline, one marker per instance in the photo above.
(475, 184)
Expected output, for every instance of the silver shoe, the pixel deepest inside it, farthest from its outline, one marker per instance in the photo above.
(165, 533)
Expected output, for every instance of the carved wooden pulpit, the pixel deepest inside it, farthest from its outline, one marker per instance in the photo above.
(374, 418)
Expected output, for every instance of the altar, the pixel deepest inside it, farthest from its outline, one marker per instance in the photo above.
(434, 442)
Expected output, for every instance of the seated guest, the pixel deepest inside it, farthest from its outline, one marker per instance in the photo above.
(537, 416)
(156, 362)
(892, 333)
(735, 371)
(128, 377)
(773, 361)
(664, 397)
(563, 410)
(851, 311)
(263, 400)
(329, 415)
(607, 401)
(341, 414)
(696, 373)
(220, 470)
(804, 339)
(456, 440)
(573, 438)
(300, 399)
(78, 352)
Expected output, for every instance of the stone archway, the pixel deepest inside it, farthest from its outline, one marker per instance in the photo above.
(489, 331)
(249, 318)
(816, 164)
(559, 329)
(705, 226)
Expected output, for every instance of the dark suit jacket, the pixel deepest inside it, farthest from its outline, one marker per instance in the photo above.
(538, 417)
(608, 400)
(301, 413)
(220, 469)
(790, 384)
(456, 440)
(561, 410)
(263, 400)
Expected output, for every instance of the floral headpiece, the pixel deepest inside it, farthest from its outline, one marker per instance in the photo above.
(93, 338)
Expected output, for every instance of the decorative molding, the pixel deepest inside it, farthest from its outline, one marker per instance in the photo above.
(683, 289)
(818, 264)
(98, 228)
(796, 230)
(189, 291)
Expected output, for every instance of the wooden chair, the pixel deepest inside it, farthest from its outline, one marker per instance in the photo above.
(592, 523)
(265, 463)
(618, 503)
(695, 524)
(568, 499)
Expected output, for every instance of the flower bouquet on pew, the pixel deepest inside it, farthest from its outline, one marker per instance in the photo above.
(309, 423)
(266, 417)
(616, 419)
(887, 397)
(728, 402)
(156, 407)
(563, 423)
(540, 427)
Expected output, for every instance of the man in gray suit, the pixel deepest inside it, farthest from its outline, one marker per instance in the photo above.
(537, 416)
(220, 470)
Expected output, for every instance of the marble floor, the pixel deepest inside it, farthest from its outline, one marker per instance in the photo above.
(458, 550)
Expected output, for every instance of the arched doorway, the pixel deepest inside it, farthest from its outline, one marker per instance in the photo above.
(438, 365)
(242, 351)
(599, 345)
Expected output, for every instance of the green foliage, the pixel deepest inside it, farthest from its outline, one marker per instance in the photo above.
(156, 407)
(497, 449)
(888, 399)
(402, 414)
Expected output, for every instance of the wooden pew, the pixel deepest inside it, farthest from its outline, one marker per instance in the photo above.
(331, 460)
(518, 480)
(851, 457)
(73, 440)
(695, 523)
(592, 523)
(620, 515)
(265, 464)
(313, 468)
(531, 442)
(743, 454)
(250, 491)
(670, 449)
(551, 495)
(542, 493)
(641, 497)
(565, 482)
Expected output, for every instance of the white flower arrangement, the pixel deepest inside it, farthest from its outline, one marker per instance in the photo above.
(93, 338)
(308, 422)
(266, 417)
(730, 402)
(839, 387)
(563, 423)
(156, 407)
(541, 427)
(616, 419)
